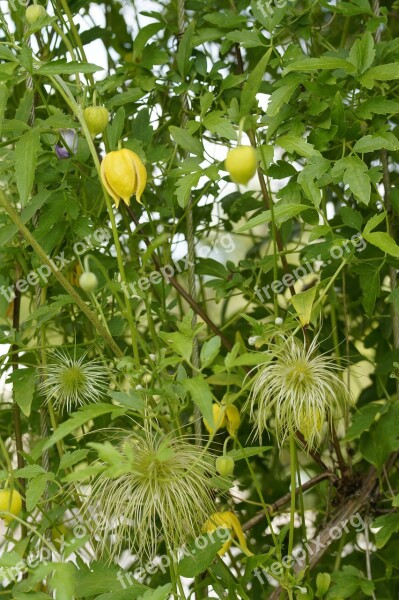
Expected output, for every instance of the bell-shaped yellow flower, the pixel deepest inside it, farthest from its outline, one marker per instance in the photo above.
(219, 419)
(233, 419)
(123, 174)
(227, 520)
(224, 416)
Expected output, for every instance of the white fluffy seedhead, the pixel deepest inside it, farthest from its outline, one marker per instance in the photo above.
(159, 487)
(300, 389)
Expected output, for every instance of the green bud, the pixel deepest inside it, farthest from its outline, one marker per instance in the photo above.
(88, 282)
(96, 118)
(224, 465)
(34, 13)
(323, 581)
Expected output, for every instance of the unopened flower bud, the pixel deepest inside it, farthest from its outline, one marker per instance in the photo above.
(88, 281)
(241, 164)
(96, 118)
(123, 174)
(34, 13)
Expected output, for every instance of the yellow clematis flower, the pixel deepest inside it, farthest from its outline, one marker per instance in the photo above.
(123, 174)
(227, 520)
(224, 416)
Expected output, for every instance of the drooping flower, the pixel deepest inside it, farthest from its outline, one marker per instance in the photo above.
(68, 143)
(70, 382)
(153, 486)
(300, 388)
(227, 520)
(224, 416)
(123, 174)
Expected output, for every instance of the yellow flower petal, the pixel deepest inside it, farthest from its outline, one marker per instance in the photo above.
(141, 175)
(227, 520)
(219, 419)
(233, 419)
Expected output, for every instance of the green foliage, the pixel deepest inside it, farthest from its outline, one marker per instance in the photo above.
(313, 86)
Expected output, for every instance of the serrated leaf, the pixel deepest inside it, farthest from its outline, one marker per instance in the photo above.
(161, 593)
(323, 63)
(23, 381)
(184, 139)
(201, 555)
(35, 490)
(383, 241)
(201, 395)
(294, 144)
(388, 72)
(370, 143)
(356, 177)
(84, 414)
(218, 124)
(283, 94)
(281, 214)
(209, 351)
(72, 458)
(253, 83)
(364, 418)
(362, 52)
(303, 304)
(26, 151)
(184, 187)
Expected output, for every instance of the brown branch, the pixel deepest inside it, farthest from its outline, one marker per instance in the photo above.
(179, 288)
(273, 508)
(357, 502)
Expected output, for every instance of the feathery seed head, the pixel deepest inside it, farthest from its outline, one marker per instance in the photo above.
(158, 486)
(71, 382)
(300, 388)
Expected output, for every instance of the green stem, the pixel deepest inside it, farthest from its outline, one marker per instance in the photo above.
(293, 495)
(64, 91)
(59, 276)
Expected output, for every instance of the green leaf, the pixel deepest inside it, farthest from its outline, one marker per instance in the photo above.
(323, 63)
(201, 395)
(374, 222)
(23, 381)
(209, 351)
(35, 490)
(161, 593)
(181, 344)
(388, 72)
(362, 420)
(241, 454)
(130, 400)
(377, 106)
(63, 580)
(303, 304)
(253, 83)
(184, 186)
(218, 124)
(281, 214)
(72, 458)
(370, 143)
(128, 97)
(85, 414)
(294, 144)
(4, 95)
(389, 525)
(144, 35)
(61, 67)
(30, 471)
(362, 52)
(283, 94)
(246, 39)
(201, 552)
(26, 151)
(184, 51)
(382, 439)
(184, 139)
(383, 241)
(356, 177)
